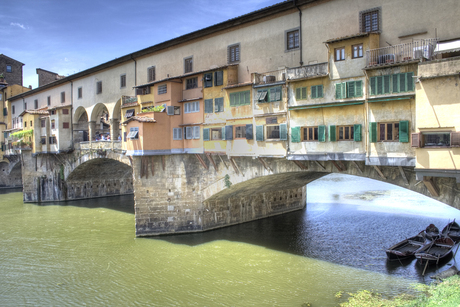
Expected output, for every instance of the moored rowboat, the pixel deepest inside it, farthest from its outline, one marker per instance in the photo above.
(436, 250)
(406, 248)
(452, 230)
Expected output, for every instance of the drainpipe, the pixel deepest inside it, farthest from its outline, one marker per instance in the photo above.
(300, 31)
(71, 115)
(135, 70)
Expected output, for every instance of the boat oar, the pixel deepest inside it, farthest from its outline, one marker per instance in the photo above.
(423, 274)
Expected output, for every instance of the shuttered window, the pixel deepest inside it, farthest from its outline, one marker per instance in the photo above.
(240, 98)
(322, 133)
(191, 83)
(188, 65)
(216, 133)
(396, 83)
(349, 89)
(373, 132)
(317, 91)
(233, 53)
(259, 133)
(295, 134)
(275, 94)
(269, 95)
(357, 133)
(345, 133)
(301, 93)
(310, 133)
(218, 78)
(196, 132)
(240, 132)
(177, 133)
(208, 106)
(123, 81)
(192, 107)
(151, 74)
(207, 80)
(249, 132)
(219, 104)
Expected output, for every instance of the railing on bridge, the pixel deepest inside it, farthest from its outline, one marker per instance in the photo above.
(417, 50)
(99, 145)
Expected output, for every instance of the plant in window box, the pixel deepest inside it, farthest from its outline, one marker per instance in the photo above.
(154, 109)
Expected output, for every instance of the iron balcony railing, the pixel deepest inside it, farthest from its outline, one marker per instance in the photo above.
(417, 50)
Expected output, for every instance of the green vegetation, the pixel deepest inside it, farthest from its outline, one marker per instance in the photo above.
(23, 133)
(227, 181)
(154, 109)
(446, 294)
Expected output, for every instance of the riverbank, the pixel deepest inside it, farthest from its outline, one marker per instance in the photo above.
(444, 294)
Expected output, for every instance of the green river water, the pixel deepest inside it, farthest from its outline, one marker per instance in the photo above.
(86, 254)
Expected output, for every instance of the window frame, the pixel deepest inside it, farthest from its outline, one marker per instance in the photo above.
(339, 54)
(218, 104)
(268, 136)
(63, 97)
(237, 103)
(296, 40)
(9, 68)
(123, 81)
(359, 51)
(425, 134)
(239, 134)
(343, 128)
(192, 107)
(98, 87)
(234, 53)
(395, 136)
(177, 134)
(373, 12)
(218, 131)
(308, 137)
(160, 89)
(188, 64)
(80, 92)
(191, 83)
(133, 133)
(151, 74)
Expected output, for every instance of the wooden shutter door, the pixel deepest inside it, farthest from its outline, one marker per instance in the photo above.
(404, 131)
(322, 133)
(260, 133)
(332, 133)
(283, 132)
(357, 133)
(415, 140)
(249, 132)
(295, 134)
(373, 132)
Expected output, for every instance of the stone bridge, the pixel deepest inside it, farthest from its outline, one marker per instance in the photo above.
(10, 173)
(193, 192)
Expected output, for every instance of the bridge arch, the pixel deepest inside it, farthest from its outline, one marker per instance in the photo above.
(10, 174)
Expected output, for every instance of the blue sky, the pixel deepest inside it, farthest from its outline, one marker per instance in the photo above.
(68, 36)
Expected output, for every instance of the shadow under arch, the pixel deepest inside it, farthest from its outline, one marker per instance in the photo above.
(99, 177)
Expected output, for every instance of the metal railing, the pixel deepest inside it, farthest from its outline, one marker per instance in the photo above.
(417, 50)
(128, 99)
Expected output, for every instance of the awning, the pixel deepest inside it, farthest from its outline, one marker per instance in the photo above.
(129, 113)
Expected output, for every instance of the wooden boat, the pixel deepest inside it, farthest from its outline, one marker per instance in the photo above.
(432, 232)
(452, 230)
(435, 251)
(406, 248)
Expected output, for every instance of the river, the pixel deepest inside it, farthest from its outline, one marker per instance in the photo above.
(84, 253)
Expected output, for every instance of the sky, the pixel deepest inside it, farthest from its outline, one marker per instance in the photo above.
(69, 36)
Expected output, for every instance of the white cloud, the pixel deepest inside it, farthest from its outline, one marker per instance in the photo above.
(18, 25)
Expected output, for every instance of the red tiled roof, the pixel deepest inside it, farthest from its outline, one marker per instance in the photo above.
(141, 119)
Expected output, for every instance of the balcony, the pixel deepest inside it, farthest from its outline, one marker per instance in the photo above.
(269, 77)
(308, 71)
(128, 99)
(402, 53)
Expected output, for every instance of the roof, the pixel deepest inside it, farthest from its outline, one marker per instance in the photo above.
(34, 112)
(338, 39)
(234, 22)
(2, 55)
(141, 119)
(60, 107)
(130, 104)
(238, 85)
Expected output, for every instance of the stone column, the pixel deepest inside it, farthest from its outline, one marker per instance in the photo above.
(114, 129)
(91, 130)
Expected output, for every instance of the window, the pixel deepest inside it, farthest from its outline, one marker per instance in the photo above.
(396, 83)
(143, 90)
(25, 124)
(192, 132)
(207, 80)
(162, 89)
(345, 133)
(65, 125)
(370, 20)
(218, 78)
(52, 140)
(99, 87)
(177, 133)
(317, 91)
(53, 112)
(31, 123)
(191, 83)
(5, 111)
(48, 100)
(436, 139)
(43, 140)
(123, 81)
(151, 74)
(216, 134)
(65, 111)
(62, 97)
(310, 134)
(196, 132)
(36, 104)
(80, 92)
(301, 93)
(43, 123)
(219, 104)
(53, 125)
(133, 133)
(8, 68)
(208, 106)
(12, 109)
(192, 107)
(233, 53)
(269, 95)
(240, 132)
(357, 51)
(240, 98)
(292, 39)
(188, 65)
(339, 54)
(389, 132)
(25, 105)
(349, 89)
(273, 132)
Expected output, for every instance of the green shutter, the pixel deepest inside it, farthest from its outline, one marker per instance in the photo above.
(359, 88)
(247, 97)
(395, 83)
(208, 80)
(304, 92)
(322, 133)
(232, 99)
(386, 84)
(249, 132)
(206, 134)
(410, 81)
(314, 92)
(379, 85)
(295, 134)
(373, 132)
(402, 83)
(272, 96)
(223, 133)
(297, 93)
(259, 133)
(357, 132)
(338, 91)
(208, 108)
(218, 78)
(373, 84)
(229, 133)
(404, 131)
(283, 132)
(351, 89)
(332, 132)
(319, 90)
(5, 112)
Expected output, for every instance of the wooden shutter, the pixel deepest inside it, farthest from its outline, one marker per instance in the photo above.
(314, 92)
(404, 131)
(319, 91)
(229, 133)
(415, 140)
(395, 78)
(247, 97)
(170, 110)
(386, 84)
(379, 85)
(196, 132)
(402, 83)
(249, 132)
(272, 94)
(338, 91)
(410, 81)
(295, 134)
(298, 93)
(351, 87)
(283, 132)
(373, 85)
(455, 139)
(358, 88)
(188, 133)
(206, 134)
(208, 80)
(260, 133)
(304, 93)
(357, 133)
(223, 134)
(322, 133)
(332, 133)
(373, 132)
(208, 108)
(218, 78)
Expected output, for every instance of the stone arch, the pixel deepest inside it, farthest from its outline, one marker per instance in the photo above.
(99, 120)
(80, 125)
(10, 174)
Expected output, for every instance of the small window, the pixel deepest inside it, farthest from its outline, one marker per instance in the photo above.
(9, 68)
(52, 140)
(208, 106)
(36, 104)
(177, 133)
(62, 97)
(25, 124)
(370, 20)
(31, 123)
(192, 107)
(292, 39)
(48, 100)
(339, 54)
(53, 112)
(65, 125)
(207, 80)
(317, 91)
(65, 111)
(357, 51)
(188, 65)
(196, 132)
(53, 125)
(43, 140)
(123, 81)
(233, 53)
(162, 89)
(216, 134)
(273, 132)
(218, 78)
(436, 139)
(43, 123)
(151, 74)
(133, 133)
(310, 133)
(99, 87)
(240, 132)
(80, 92)
(191, 83)
(219, 105)
(388, 132)
(345, 133)
(25, 105)
(12, 109)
